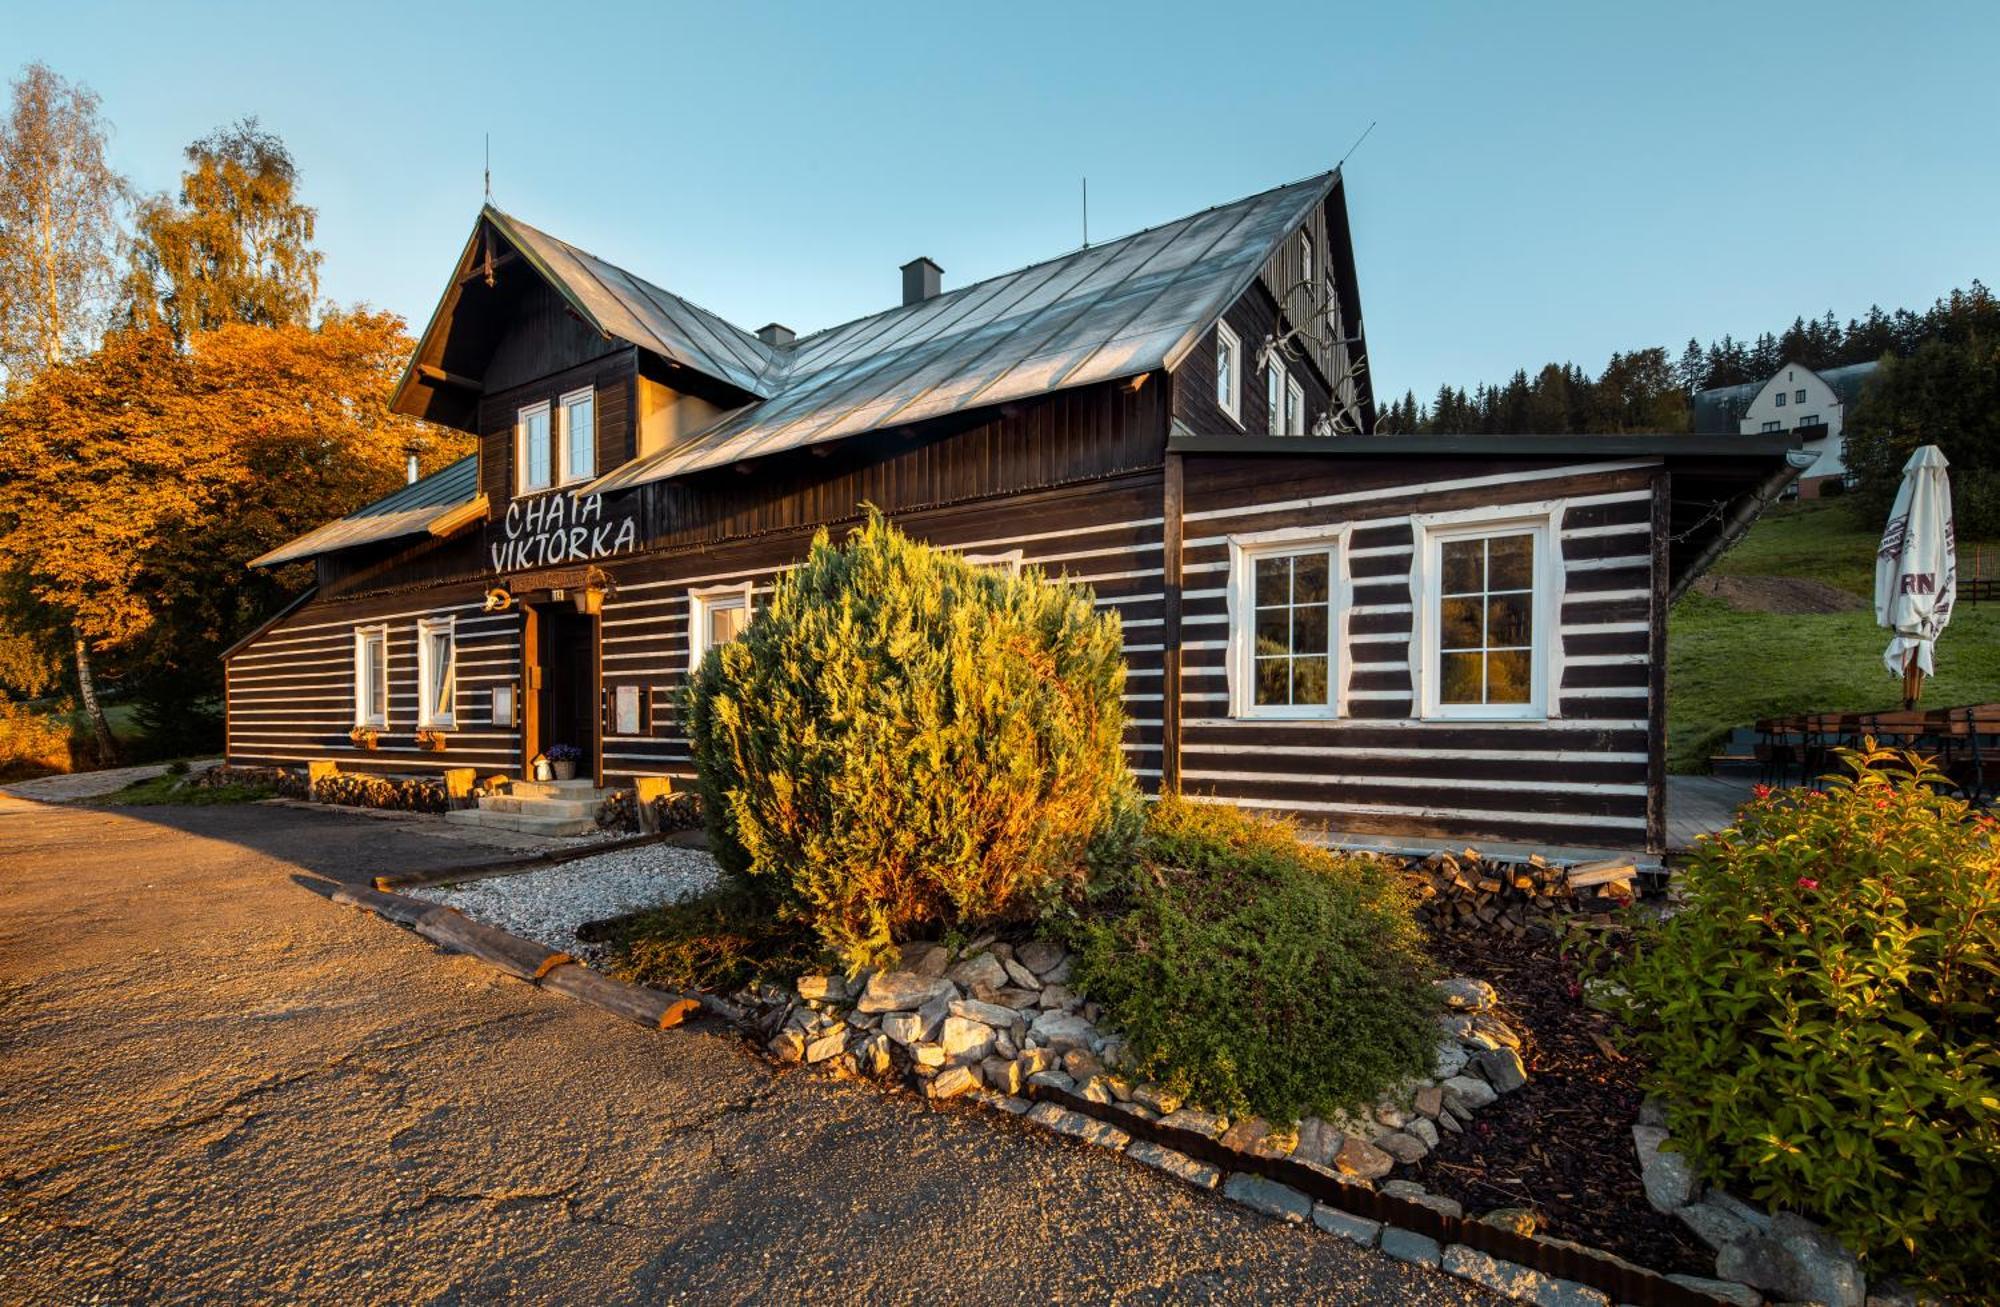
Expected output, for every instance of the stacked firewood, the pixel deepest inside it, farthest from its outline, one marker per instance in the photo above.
(1514, 898)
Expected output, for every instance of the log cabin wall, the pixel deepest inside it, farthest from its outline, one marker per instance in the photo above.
(613, 376)
(1578, 779)
(290, 692)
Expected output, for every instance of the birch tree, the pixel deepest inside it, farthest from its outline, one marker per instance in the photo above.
(60, 205)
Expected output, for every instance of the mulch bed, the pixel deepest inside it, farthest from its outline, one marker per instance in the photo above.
(1562, 1144)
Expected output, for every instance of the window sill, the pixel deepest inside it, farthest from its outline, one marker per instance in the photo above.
(1284, 714)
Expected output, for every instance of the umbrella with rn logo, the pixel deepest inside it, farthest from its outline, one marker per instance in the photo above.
(1916, 571)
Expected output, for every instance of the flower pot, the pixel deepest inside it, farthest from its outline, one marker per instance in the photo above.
(565, 770)
(543, 772)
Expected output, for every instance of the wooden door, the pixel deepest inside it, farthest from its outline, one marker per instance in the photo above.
(566, 704)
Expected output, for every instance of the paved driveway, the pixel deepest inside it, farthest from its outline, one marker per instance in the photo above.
(220, 1086)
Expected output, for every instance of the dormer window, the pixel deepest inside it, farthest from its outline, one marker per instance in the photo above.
(1228, 372)
(533, 454)
(579, 435)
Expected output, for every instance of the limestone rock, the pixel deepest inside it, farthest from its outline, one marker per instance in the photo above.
(1451, 1059)
(1081, 1064)
(1243, 1136)
(1053, 1080)
(981, 970)
(829, 1045)
(1409, 1246)
(1087, 1128)
(1502, 1069)
(1062, 1032)
(990, 1014)
(1831, 1273)
(1762, 1262)
(927, 1054)
(1179, 1165)
(1032, 1060)
(964, 1040)
(824, 989)
(1424, 1130)
(1429, 1101)
(1059, 973)
(1406, 1149)
(1355, 1229)
(1318, 1142)
(1512, 1280)
(903, 1027)
(1516, 1220)
(1465, 994)
(1728, 1290)
(1157, 1097)
(1022, 977)
(788, 1045)
(1668, 1177)
(1714, 1224)
(1201, 1123)
(1269, 1197)
(1096, 1090)
(926, 959)
(903, 991)
(1057, 997)
(1038, 956)
(1016, 999)
(1470, 1091)
(933, 1014)
(951, 1082)
(1358, 1157)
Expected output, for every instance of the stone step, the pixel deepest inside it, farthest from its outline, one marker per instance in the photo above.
(581, 788)
(531, 807)
(521, 823)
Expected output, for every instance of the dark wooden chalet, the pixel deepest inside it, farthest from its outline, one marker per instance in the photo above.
(1410, 640)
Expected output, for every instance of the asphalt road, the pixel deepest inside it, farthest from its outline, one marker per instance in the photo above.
(216, 1085)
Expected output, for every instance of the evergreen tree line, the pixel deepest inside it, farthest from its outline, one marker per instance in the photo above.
(1650, 390)
(175, 399)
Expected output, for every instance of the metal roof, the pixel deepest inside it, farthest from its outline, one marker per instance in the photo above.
(1718, 411)
(632, 309)
(409, 511)
(1103, 312)
(1638, 445)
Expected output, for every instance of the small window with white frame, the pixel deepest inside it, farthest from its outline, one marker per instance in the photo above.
(534, 451)
(1781, 399)
(1306, 260)
(1229, 372)
(578, 411)
(437, 672)
(1798, 397)
(1488, 603)
(1285, 601)
(1275, 383)
(371, 677)
(1295, 407)
(1008, 561)
(716, 615)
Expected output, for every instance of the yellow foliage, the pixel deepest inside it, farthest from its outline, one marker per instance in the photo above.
(30, 743)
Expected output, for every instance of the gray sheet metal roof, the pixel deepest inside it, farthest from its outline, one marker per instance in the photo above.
(632, 309)
(409, 511)
(1104, 312)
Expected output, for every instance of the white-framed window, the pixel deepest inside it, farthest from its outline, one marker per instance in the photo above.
(1487, 589)
(1229, 372)
(578, 431)
(437, 672)
(534, 452)
(1287, 610)
(1274, 394)
(1306, 260)
(1808, 419)
(1295, 407)
(1781, 399)
(1773, 425)
(716, 615)
(371, 676)
(1798, 397)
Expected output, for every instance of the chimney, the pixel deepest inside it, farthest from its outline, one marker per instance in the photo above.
(413, 470)
(776, 333)
(920, 280)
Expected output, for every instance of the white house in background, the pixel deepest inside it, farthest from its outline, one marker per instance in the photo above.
(1812, 405)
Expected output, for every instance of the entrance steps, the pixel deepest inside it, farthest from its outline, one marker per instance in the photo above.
(537, 808)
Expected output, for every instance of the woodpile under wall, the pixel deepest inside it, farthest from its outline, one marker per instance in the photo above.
(1516, 898)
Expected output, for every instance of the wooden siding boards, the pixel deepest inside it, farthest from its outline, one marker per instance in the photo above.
(614, 377)
(1581, 779)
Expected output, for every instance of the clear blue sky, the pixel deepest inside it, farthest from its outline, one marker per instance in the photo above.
(1547, 181)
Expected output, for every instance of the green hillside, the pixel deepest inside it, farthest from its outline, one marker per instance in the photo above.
(1727, 668)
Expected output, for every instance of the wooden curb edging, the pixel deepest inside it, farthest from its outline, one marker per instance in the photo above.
(537, 964)
(515, 866)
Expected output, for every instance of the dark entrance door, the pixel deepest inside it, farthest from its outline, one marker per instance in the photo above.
(568, 699)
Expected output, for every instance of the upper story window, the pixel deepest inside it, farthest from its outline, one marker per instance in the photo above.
(716, 615)
(1306, 260)
(1295, 408)
(1488, 603)
(534, 453)
(1798, 397)
(1228, 372)
(437, 672)
(1274, 395)
(1809, 419)
(371, 676)
(1781, 399)
(1773, 425)
(579, 435)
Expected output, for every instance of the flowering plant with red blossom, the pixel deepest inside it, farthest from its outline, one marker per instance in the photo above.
(1821, 1014)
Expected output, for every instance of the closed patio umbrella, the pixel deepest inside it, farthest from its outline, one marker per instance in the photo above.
(1916, 570)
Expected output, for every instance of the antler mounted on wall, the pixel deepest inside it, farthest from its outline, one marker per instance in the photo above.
(1315, 330)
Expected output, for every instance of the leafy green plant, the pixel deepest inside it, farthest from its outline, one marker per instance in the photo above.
(1821, 1013)
(1256, 972)
(902, 740)
(721, 940)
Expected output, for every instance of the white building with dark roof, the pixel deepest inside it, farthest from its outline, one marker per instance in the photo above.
(1812, 406)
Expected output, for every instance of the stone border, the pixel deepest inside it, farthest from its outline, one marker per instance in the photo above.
(1398, 1219)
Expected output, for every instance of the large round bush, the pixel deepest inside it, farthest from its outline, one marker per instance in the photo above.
(1820, 1014)
(902, 740)
(1256, 972)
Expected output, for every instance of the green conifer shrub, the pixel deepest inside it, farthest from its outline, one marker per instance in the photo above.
(1255, 972)
(1821, 1014)
(901, 740)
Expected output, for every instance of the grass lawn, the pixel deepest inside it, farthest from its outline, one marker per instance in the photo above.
(1727, 669)
(166, 788)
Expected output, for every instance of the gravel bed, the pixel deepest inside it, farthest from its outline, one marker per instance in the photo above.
(547, 906)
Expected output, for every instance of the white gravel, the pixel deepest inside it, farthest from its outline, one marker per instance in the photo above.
(547, 906)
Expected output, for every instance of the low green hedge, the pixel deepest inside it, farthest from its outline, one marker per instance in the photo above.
(1258, 973)
(1821, 1014)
